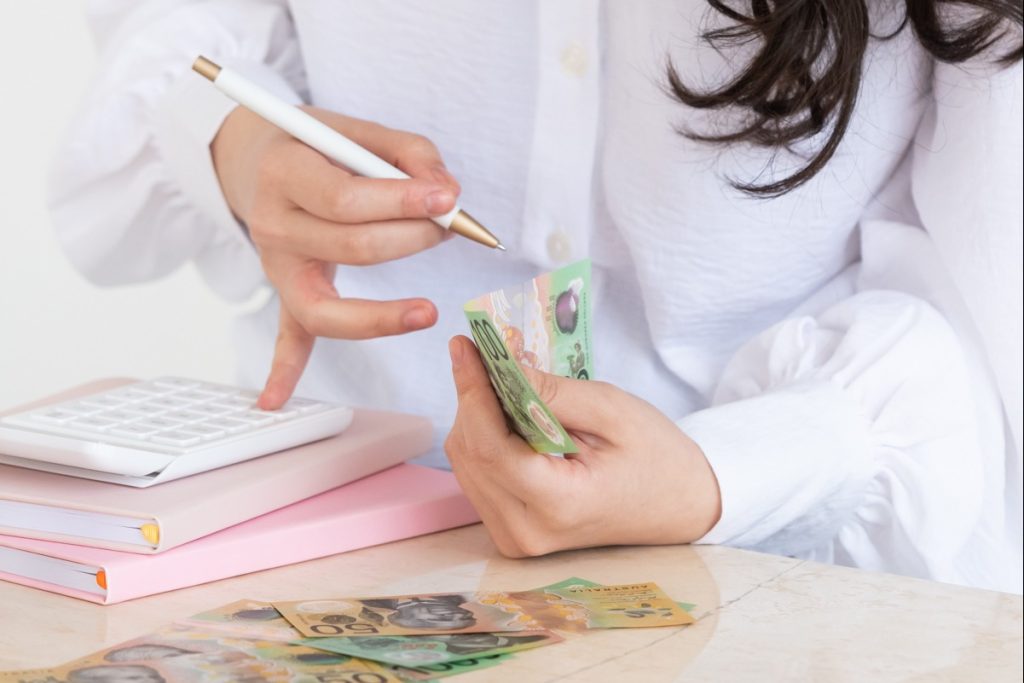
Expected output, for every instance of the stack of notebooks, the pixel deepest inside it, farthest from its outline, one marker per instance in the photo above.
(107, 543)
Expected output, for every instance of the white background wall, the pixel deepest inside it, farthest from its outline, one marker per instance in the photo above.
(56, 329)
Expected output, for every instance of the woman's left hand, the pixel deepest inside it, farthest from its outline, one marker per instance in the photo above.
(637, 479)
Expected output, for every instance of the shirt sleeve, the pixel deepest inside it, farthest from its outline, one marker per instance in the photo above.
(133, 191)
(858, 434)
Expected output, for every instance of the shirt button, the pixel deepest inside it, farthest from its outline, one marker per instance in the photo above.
(574, 59)
(559, 248)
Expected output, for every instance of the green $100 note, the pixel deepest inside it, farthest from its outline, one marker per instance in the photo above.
(543, 324)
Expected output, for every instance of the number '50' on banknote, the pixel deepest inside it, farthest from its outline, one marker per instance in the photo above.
(543, 324)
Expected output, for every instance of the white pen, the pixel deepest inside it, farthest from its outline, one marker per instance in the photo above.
(328, 141)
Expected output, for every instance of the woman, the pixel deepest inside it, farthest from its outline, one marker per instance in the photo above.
(804, 220)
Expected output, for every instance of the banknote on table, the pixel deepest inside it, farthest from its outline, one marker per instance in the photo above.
(543, 324)
(571, 607)
(432, 650)
(250, 640)
(406, 615)
(576, 607)
(253, 618)
(185, 654)
(432, 672)
(261, 619)
(577, 582)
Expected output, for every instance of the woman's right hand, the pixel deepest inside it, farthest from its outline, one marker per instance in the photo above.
(306, 215)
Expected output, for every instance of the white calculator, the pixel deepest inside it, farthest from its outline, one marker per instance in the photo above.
(146, 433)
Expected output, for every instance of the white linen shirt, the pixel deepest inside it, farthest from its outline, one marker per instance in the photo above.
(848, 355)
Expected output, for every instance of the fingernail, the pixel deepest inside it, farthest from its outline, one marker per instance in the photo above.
(416, 319)
(455, 350)
(439, 202)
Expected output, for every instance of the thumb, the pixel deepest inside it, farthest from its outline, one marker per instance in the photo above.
(583, 405)
(472, 385)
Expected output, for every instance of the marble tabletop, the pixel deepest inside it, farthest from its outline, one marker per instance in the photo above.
(760, 617)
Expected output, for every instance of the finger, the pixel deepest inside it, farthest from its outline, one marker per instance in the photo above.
(501, 456)
(328, 316)
(304, 234)
(312, 182)
(578, 404)
(499, 509)
(475, 394)
(519, 527)
(414, 154)
(487, 498)
(499, 517)
(291, 354)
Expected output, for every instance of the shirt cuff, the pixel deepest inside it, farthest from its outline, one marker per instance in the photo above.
(187, 121)
(778, 454)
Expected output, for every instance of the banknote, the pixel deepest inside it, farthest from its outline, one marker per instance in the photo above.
(406, 615)
(432, 650)
(432, 672)
(576, 582)
(254, 618)
(543, 324)
(576, 607)
(625, 606)
(182, 653)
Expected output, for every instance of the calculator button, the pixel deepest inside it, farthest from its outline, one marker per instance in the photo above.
(282, 413)
(159, 422)
(134, 429)
(216, 391)
(102, 401)
(185, 416)
(253, 419)
(204, 431)
(176, 383)
(304, 405)
(194, 396)
(118, 415)
(54, 416)
(81, 409)
(93, 424)
(234, 403)
(182, 439)
(142, 409)
(215, 410)
(226, 424)
(168, 402)
(130, 395)
(152, 389)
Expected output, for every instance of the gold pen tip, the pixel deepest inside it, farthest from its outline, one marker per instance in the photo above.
(206, 68)
(467, 226)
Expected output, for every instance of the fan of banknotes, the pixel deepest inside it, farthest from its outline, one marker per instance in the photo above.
(543, 324)
(391, 639)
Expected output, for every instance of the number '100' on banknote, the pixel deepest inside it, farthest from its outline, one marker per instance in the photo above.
(543, 324)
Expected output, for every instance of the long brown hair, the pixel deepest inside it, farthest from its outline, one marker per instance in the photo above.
(806, 75)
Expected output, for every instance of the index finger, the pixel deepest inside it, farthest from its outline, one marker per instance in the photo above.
(313, 183)
(415, 154)
(291, 354)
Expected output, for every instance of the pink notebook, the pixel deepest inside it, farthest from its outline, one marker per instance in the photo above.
(404, 501)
